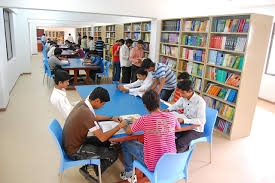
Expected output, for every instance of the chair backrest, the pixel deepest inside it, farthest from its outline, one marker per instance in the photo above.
(211, 116)
(106, 73)
(104, 61)
(171, 166)
(48, 69)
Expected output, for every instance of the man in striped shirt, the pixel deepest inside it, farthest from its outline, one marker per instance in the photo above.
(99, 45)
(162, 75)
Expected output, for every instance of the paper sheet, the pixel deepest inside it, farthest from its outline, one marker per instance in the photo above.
(178, 115)
(108, 125)
(130, 116)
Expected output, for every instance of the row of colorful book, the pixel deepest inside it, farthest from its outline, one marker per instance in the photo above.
(136, 36)
(223, 109)
(111, 28)
(225, 59)
(146, 26)
(169, 50)
(136, 27)
(171, 25)
(110, 35)
(127, 35)
(197, 83)
(193, 54)
(194, 40)
(196, 25)
(98, 29)
(146, 47)
(231, 25)
(195, 69)
(223, 125)
(172, 63)
(146, 37)
(172, 38)
(226, 94)
(127, 27)
(228, 43)
(223, 76)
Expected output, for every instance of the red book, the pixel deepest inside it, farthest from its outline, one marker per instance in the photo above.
(212, 42)
(203, 55)
(220, 42)
(241, 25)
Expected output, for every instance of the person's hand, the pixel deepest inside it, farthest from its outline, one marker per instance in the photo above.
(133, 120)
(181, 120)
(120, 87)
(116, 119)
(165, 110)
(123, 124)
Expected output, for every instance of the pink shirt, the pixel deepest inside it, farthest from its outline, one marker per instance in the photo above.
(136, 54)
(159, 136)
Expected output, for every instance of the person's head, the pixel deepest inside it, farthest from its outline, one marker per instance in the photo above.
(54, 43)
(141, 74)
(129, 42)
(99, 38)
(148, 65)
(84, 37)
(121, 42)
(99, 97)
(91, 38)
(77, 46)
(73, 44)
(185, 88)
(67, 42)
(140, 44)
(69, 34)
(57, 52)
(183, 76)
(43, 34)
(93, 53)
(151, 100)
(61, 78)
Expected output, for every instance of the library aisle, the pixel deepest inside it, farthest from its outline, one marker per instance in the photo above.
(29, 153)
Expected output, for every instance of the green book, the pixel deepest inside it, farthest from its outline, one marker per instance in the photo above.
(195, 69)
(214, 28)
(241, 64)
(237, 62)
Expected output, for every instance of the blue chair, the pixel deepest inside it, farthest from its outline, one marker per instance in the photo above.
(170, 168)
(56, 130)
(45, 69)
(48, 70)
(106, 72)
(211, 116)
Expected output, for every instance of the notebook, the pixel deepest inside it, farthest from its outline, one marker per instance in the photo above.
(108, 125)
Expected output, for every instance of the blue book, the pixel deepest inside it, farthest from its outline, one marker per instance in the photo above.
(219, 58)
(246, 25)
(232, 95)
(199, 55)
(212, 56)
(193, 25)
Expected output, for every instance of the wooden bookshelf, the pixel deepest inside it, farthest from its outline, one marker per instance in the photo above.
(201, 38)
(97, 32)
(138, 31)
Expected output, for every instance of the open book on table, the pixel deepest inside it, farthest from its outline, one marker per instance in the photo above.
(178, 115)
(108, 125)
(130, 116)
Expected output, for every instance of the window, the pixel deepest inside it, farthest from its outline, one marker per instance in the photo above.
(270, 65)
(8, 34)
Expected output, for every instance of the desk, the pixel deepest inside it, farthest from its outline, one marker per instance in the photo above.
(63, 47)
(67, 54)
(76, 65)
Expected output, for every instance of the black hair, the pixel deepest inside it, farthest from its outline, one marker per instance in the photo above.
(184, 75)
(121, 40)
(91, 38)
(61, 75)
(94, 52)
(84, 36)
(57, 51)
(151, 100)
(54, 43)
(69, 34)
(185, 85)
(140, 42)
(147, 63)
(141, 71)
(99, 38)
(77, 45)
(130, 41)
(44, 34)
(101, 93)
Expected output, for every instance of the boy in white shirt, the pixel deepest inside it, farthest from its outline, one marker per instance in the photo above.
(91, 43)
(125, 63)
(51, 51)
(139, 87)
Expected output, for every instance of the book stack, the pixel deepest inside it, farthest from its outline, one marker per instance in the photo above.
(136, 36)
(197, 83)
(193, 54)
(223, 125)
(171, 25)
(231, 25)
(194, 40)
(146, 27)
(225, 59)
(169, 50)
(196, 25)
(228, 43)
(136, 27)
(229, 95)
(146, 46)
(127, 27)
(172, 38)
(172, 63)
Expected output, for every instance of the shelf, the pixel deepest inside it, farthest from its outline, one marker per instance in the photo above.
(224, 84)
(221, 133)
(197, 91)
(168, 56)
(146, 31)
(199, 62)
(126, 31)
(146, 51)
(225, 118)
(220, 99)
(136, 31)
(193, 46)
(194, 32)
(171, 31)
(229, 51)
(225, 68)
(231, 33)
(171, 44)
(196, 76)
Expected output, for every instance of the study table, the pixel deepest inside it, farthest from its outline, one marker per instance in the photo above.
(68, 54)
(76, 64)
(63, 47)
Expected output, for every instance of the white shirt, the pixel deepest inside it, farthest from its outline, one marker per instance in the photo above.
(92, 45)
(61, 102)
(96, 127)
(124, 55)
(71, 39)
(140, 86)
(51, 51)
(194, 110)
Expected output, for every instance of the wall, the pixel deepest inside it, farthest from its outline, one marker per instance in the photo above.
(33, 38)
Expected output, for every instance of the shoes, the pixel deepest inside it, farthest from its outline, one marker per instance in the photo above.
(89, 175)
(129, 179)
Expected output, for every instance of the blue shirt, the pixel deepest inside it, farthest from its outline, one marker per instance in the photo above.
(163, 70)
(98, 61)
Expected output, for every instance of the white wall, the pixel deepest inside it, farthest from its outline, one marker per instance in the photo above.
(20, 63)
(33, 38)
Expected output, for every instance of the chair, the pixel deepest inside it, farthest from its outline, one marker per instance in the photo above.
(211, 116)
(170, 168)
(106, 72)
(56, 130)
(47, 70)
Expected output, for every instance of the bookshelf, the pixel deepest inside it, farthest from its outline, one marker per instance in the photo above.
(58, 36)
(137, 31)
(223, 56)
(97, 32)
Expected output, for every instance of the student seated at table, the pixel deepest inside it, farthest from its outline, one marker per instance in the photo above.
(54, 60)
(139, 87)
(51, 51)
(79, 51)
(163, 76)
(72, 47)
(48, 46)
(82, 120)
(95, 60)
(159, 136)
(194, 110)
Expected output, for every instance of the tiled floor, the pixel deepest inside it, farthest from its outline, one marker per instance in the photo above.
(29, 153)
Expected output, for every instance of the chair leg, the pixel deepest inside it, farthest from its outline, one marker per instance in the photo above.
(133, 175)
(99, 174)
(210, 152)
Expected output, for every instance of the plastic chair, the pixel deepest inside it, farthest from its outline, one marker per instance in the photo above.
(211, 116)
(48, 70)
(45, 69)
(56, 130)
(170, 168)
(106, 72)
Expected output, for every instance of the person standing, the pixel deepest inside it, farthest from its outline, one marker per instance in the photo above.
(116, 61)
(43, 39)
(99, 45)
(125, 63)
(136, 55)
(84, 44)
(91, 43)
(78, 38)
(70, 38)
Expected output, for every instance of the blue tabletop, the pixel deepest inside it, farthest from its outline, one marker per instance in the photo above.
(77, 63)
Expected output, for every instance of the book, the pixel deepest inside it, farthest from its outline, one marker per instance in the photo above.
(130, 116)
(108, 125)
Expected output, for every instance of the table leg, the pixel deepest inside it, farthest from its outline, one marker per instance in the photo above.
(75, 77)
(87, 77)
